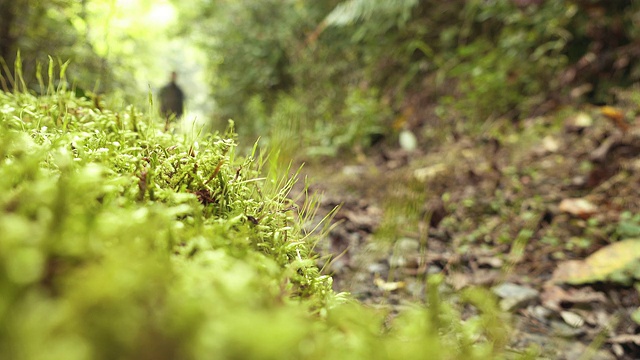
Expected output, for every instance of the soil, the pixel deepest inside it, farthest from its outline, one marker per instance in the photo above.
(501, 207)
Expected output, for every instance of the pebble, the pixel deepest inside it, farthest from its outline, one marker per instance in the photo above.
(377, 268)
(563, 330)
(514, 296)
(407, 245)
(540, 313)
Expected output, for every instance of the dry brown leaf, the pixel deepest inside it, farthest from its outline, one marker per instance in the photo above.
(625, 339)
(612, 113)
(459, 280)
(579, 207)
(554, 296)
(616, 116)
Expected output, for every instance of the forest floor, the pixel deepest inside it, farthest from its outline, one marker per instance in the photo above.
(511, 209)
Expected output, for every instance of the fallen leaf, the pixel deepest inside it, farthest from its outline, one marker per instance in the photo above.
(553, 297)
(362, 220)
(579, 207)
(459, 280)
(626, 339)
(597, 317)
(428, 173)
(485, 277)
(572, 319)
(610, 263)
(616, 116)
(612, 113)
(600, 154)
(388, 286)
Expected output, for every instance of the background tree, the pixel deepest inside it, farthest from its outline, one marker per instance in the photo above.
(338, 74)
(7, 19)
(116, 48)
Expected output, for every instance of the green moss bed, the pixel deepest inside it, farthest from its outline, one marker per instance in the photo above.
(119, 240)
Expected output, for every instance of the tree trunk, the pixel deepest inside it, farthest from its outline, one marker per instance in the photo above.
(7, 38)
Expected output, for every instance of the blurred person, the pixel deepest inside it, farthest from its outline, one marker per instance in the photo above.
(171, 100)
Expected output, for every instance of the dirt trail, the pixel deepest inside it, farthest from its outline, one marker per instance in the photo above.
(485, 211)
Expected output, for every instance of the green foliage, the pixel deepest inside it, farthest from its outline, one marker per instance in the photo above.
(266, 55)
(31, 30)
(505, 57)
(118, 48)
(122, 241)
(291, 126)
(628, 226)
(247, 43)
(479, 60)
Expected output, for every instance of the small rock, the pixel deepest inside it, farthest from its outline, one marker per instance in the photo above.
(514, 296)
(397, 261)
(579, 122)
(407, 245)
(408, 140)
(563, 330)
(578, 350)
(540, 313)
(550, 144)
(354, 170)
(579, 181)
(377, 268)
(491, 261)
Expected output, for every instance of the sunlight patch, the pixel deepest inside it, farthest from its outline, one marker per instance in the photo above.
(162, 13)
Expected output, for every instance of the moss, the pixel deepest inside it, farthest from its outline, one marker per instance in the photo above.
(122, 241)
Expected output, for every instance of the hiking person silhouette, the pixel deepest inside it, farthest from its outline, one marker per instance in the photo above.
(171, 100)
